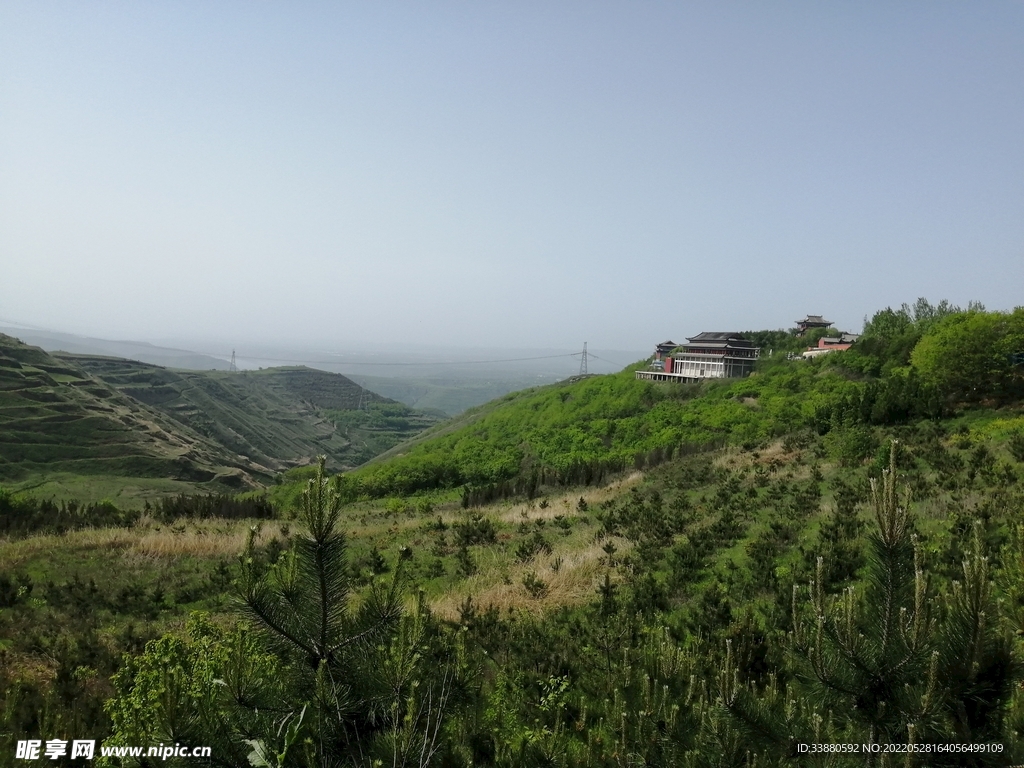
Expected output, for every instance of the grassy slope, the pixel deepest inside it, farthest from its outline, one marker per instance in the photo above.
(618, 417)
(759, 485)
(614, 420)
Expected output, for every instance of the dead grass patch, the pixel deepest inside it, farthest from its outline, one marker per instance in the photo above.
(574, 582)
(14, 552)
(198, 542)
(146, 540)
(774, 455)
(566, 503)
(31, 668)
(739, 457)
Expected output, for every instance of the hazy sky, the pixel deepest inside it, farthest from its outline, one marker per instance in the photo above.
(523, 174)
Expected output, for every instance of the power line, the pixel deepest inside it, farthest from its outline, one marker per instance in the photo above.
(585, 355)
(390, 363)
(605, 360)
(26, 326)
(589, 356)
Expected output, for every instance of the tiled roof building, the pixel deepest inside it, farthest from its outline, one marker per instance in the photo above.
(812, 321)
(708, 355)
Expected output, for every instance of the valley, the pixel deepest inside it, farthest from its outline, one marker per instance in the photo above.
(614, 545)
(91, 427)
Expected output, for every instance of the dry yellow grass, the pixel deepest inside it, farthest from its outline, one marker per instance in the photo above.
(197, 542)
(734, 458)
(774, 454)
(14, 552)
(565, 504)
(575, 582)
(571, 572)
(31, 668)
(209, 538)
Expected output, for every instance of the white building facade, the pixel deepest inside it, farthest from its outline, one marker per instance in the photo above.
(708, 355)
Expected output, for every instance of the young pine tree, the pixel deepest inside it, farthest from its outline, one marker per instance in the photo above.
(889, 662)
(312, 681)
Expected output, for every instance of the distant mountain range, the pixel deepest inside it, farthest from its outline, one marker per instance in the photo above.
(53, 341)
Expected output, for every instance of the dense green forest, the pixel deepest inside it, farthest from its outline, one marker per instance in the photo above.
(604, 573)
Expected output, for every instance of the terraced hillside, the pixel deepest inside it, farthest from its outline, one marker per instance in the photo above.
(56, 418)
(279, 417)
(68, 417)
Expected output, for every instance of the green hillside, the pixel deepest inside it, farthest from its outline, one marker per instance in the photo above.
(911, 364)
(279, 417)
(55, 419)
(129, 425)
(580, 431)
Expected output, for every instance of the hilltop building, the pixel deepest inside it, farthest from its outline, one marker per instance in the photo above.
(828, 344)
(812, 321)
(714, 355)
(664, 349)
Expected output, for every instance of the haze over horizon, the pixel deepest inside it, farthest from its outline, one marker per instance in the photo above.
(524, 176)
